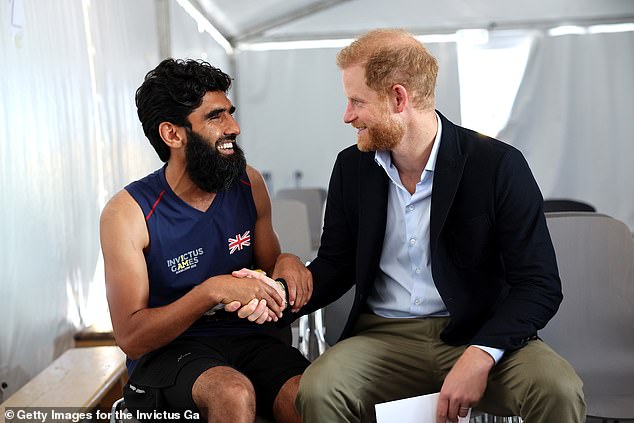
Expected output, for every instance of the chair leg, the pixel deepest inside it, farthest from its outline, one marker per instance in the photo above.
(478, 417)
(319, 330)
(304, 336)
(113, 411)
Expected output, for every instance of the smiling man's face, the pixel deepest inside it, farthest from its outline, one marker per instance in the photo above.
(214, 160)
(369, 114)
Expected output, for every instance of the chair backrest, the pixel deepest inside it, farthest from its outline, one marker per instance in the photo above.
(594, 327)
(326, 324)
(290, 221)
(314, 198)
(565, 205)
(336, 315)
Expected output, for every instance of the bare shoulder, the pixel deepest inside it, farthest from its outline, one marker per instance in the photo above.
(258, 185)
(260, 192)
(255, 176)
(121, 205)
(122, 217)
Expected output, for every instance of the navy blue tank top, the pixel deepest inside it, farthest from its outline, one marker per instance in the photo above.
(187, 246)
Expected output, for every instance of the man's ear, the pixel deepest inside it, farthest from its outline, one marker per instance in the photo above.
(173, 136)
(399, 97)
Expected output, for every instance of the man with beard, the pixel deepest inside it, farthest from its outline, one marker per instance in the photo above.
(178, 247)
(442, 230)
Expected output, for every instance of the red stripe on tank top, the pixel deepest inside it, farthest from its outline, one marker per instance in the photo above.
(154, 206)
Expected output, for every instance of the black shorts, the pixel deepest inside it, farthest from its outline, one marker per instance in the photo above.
(163, 379)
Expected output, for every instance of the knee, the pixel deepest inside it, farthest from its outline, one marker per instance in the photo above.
(318, 383)
(238, 393)
(233, 394)
(560, 386)
(311, 386)
(555, 396)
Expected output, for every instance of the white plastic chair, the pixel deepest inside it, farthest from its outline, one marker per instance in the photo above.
(290, 221)
(314, 198)
(594, 327)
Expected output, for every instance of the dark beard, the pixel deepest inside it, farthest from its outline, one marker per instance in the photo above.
(210, 170)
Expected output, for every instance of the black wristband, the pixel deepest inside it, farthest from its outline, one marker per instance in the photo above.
(283, 282)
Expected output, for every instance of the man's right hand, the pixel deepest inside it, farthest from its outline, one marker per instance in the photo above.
(464, 385)
(255, 311)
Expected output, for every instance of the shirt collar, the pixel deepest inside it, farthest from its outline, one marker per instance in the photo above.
(384, 158)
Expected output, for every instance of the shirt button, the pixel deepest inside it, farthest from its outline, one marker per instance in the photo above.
(410, 208)
(417, 301)
(417, 270)
(412, 241)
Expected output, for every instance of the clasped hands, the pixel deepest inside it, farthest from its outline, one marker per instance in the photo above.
(298, 280)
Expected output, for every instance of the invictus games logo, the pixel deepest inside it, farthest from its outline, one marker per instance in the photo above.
(185, 261)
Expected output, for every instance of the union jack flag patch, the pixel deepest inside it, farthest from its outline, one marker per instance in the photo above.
(239, 242)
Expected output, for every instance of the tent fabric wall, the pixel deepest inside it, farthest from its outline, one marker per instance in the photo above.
(572, 119)
(290, 108)
(69, 138)
(186, 42)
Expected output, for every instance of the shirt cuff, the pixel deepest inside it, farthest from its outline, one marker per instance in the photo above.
(495, 353)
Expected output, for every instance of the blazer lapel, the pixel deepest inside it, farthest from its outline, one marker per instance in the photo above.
(449, 166)
(373, 191)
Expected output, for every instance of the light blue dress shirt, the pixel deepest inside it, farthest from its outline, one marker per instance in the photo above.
(404, 286)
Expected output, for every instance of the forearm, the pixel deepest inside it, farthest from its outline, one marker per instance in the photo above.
(150, 328)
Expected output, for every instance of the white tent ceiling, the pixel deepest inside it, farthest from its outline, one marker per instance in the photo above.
(280, 20)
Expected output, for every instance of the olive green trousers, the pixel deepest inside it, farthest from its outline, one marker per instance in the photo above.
(389, 359)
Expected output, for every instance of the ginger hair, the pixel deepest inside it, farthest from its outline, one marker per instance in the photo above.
(394, 56)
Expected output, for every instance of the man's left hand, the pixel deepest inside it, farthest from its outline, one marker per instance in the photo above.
(464, 385)
(256, 311)
(297, 277)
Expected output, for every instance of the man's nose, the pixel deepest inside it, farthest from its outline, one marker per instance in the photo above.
(348, 115)
(232, 128)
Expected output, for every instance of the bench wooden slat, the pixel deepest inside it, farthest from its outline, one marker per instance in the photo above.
(79, 378)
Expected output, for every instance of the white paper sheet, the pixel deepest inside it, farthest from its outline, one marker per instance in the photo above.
(421, 409)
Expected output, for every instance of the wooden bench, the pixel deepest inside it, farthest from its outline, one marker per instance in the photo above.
(93, 336)
(82, 379)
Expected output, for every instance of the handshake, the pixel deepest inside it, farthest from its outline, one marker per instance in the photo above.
(256, 308)
(279, 283)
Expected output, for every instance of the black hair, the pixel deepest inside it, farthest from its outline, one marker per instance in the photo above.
(171, 91)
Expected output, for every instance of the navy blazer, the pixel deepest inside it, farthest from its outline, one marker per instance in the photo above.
(492, 258)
